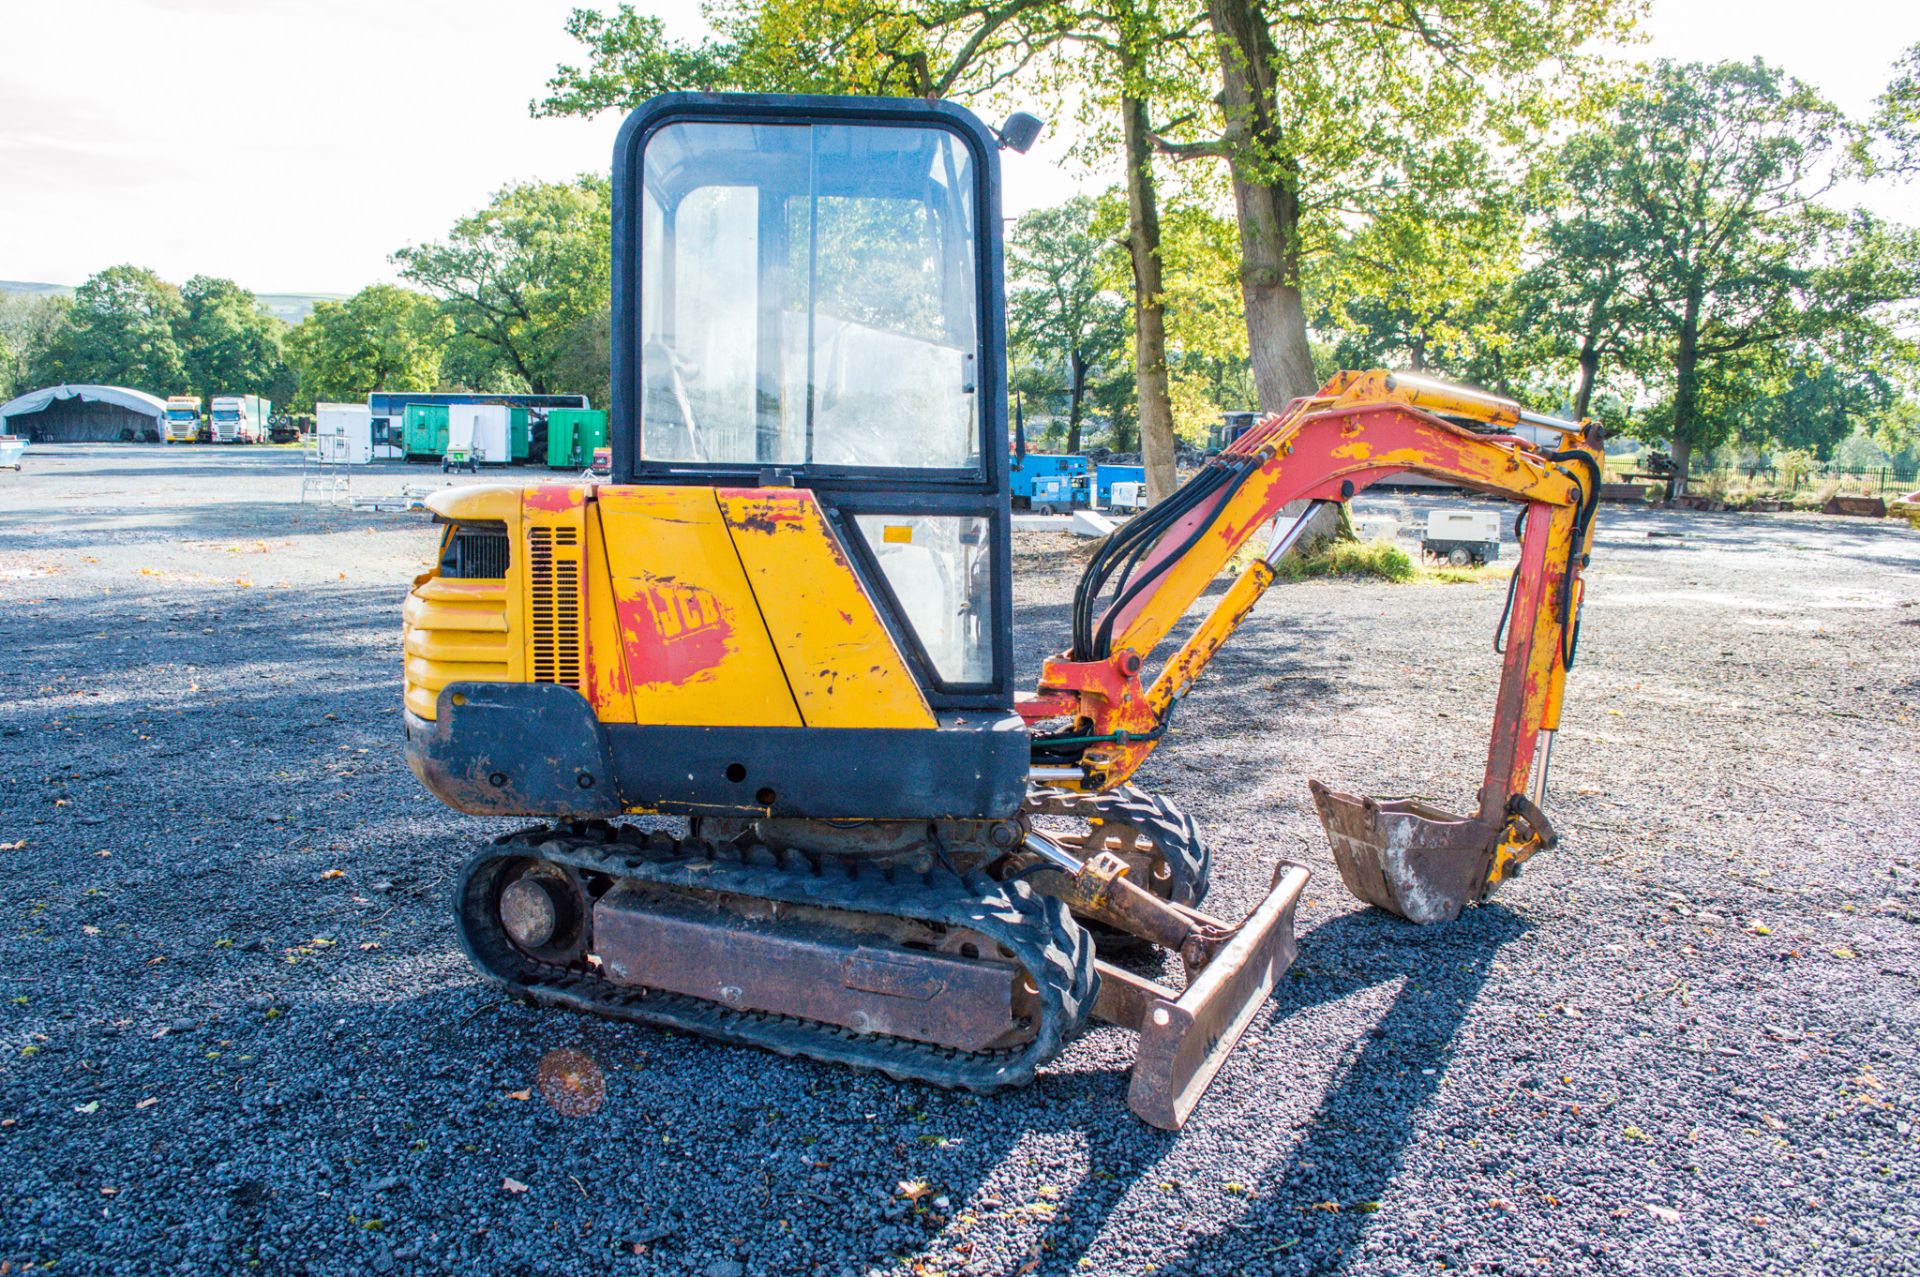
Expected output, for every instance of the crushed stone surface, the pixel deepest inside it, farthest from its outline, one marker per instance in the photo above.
(237, 1034)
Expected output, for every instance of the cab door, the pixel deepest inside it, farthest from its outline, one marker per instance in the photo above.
(808, 294)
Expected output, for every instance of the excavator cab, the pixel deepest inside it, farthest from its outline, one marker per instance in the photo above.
(812, 300)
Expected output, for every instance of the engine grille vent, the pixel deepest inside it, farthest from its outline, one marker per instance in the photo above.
(553, 571)
(475, 554)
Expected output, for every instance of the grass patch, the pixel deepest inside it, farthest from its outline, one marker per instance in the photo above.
(1381, 560)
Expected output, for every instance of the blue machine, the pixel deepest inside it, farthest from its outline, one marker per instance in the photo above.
(1106, 476)
(1055, 482)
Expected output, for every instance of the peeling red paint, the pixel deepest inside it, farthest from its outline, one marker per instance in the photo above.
(550, 496)
(675, 633)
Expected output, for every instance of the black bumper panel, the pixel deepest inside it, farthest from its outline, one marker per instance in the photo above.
(514, 749)
(536, 749)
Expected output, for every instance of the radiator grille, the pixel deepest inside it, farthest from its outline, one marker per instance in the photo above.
(553, 572)
(475, 554)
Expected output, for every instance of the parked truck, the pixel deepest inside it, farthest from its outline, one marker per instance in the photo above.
(239, 418)
(183, 419)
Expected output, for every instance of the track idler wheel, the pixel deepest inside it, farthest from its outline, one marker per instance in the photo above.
(546, 911)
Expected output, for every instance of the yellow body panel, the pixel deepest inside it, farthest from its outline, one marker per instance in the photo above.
(606, 657)
(457, 631)
(840, 661)
(683, 616)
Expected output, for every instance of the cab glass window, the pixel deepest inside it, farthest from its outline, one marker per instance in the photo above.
(809, 297)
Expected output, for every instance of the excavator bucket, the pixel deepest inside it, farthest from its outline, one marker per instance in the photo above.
(1406, 856)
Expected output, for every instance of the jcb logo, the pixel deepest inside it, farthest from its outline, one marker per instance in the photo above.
(681, 611)
(675, 633)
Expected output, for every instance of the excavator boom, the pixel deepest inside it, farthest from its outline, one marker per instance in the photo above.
(1360, 428)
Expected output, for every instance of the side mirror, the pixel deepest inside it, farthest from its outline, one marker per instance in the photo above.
(1020, 131)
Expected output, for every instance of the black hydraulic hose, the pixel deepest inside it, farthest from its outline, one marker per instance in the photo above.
(1583, 523)
(1130, 543)
(1103, 645)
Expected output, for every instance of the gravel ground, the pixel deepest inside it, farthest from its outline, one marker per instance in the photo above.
(238, 1037)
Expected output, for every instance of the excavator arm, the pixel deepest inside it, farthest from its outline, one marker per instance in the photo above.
(1404, 855)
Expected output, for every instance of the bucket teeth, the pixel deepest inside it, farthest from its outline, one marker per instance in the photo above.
(1408, 857)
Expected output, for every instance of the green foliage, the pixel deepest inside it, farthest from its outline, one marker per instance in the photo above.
(1207, 357)
(29, 327)
(518, 277)
(1898, 118)
(1381, 560)
(382, 338)
(1714, 169)
(229, 344)
(122, 331)
(1067, 323)
(917, 48)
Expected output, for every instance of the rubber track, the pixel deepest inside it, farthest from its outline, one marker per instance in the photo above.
(1054, 950)
(1173, 831)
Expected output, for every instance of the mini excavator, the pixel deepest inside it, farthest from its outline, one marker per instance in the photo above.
(785, 618)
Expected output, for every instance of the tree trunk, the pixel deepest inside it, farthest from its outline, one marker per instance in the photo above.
(1686, 396)
(1589, 362)
(1583, 388)
(1076, 396)
(1266, 194)
(1149, 314)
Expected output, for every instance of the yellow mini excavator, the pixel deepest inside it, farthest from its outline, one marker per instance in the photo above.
(786, 617)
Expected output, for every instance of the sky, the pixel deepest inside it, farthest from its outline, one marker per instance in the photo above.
(292, 145)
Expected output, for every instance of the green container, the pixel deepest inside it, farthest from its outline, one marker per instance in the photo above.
(425, 427)
(517, 434)
(572, 435)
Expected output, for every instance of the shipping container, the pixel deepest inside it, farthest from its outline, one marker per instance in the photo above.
(572, 436)
(425, 437)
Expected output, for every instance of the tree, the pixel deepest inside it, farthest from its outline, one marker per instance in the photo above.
(1061, 310)
(1898, 119)
(382, 338)
(518, 276)
(1330, 112)
(1715, 175)
(229, 344)
(886, 48)
(1207, 363)
(1815, 405)
(29, 327)
(121, 331)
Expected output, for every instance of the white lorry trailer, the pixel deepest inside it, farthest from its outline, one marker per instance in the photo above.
(343, 433)
(239, 419)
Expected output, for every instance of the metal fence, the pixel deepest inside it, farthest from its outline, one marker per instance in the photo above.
(1873, 480)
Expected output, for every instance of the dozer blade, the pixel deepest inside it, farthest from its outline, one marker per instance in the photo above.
(1405, 856)
(1184, 1040)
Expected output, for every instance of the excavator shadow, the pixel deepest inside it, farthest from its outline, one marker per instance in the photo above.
(1372, 1112)
(1351, 1145)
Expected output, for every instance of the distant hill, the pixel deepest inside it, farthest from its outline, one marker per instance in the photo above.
(290, 308)
(34, 290)
(294, 307)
